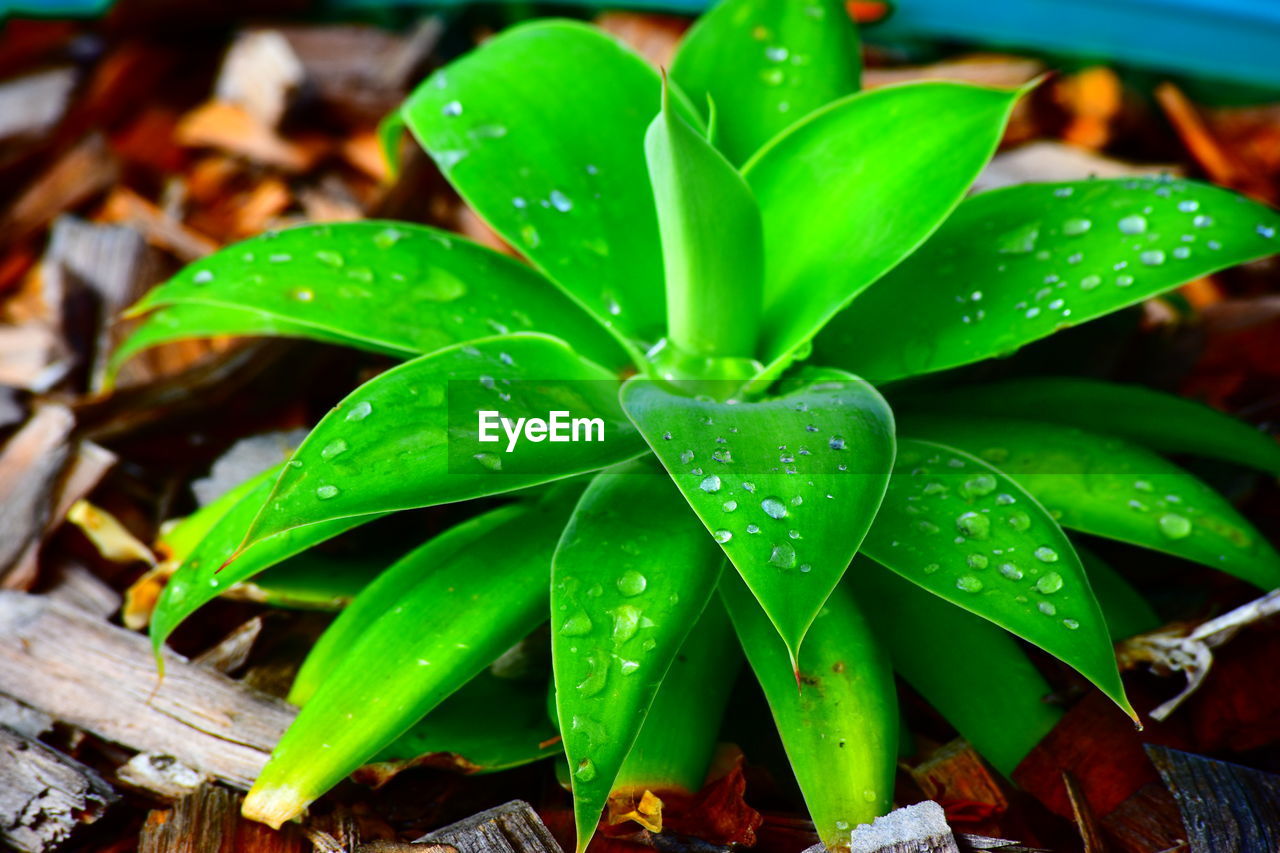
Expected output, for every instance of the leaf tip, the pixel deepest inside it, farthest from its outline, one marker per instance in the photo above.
(273, 806)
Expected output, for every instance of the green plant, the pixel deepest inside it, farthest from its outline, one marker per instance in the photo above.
(788, 216)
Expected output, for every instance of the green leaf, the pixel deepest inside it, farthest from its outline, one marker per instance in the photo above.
(838, 716)
(958, 527)
(388, 287)
(788, 486)
(1017, 264)
(394, 444)
(541, 130)
(314, 581)
(492, 723)
(632, 574)
(1108, 487)
(970, 671)
(766, 65)
(1160, 421)
(204, 541)
(185, 321)
(677, 742)
(345, 631)
(854, 188)
(1128, 613)
(711, 241)
(439, 623)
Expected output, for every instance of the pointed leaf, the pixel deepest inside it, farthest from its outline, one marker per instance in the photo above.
(711, 241)
(850, 191)
(185, 321)
(389, 287)
(345, 631)
(766, 65)
(958, 527)
(970, 671)
(541, 130)
(203, 542)
(1160, 421)
(1014, 265)
(788, 486)
(631, 576)
(409, 437)
(1108, 487)
(839, 723)
(441, 623)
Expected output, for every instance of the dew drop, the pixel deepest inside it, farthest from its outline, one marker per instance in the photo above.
(1049, 583)
(491, 461)
(626, 622)
(1011, 571)
(1152, 257)
(1133, 224)
(773, 508)
(968, 583)
(202, 277)
(710, 484)
(1174, 526)
(326, 492)
(1045, 554)
(576, 625)
(360, 411)
(1046, 608)
(334, 448)
(983, 484)
(729, 506)
(328, 258)
(1089, 282)
(722, 536)
(974, 525)
(1076, 227)
(1070, 624)
(586, 770)
(632, 583)
(783, 556)
(753, 528)
(453, 108)
(560, 201)
(976, 561)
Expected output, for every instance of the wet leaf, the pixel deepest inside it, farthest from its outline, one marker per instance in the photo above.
(390, 287)
(554, 165)
(970, 671)
(1109, 487)
(632, 574)
(788, 486)
(711, 241)
(439, 622)
(1160, 421)
(854, 188)
(766, 65)
(958, 527)
(204, 541)
(408, 438)
(678, 739)
(1014, 265)
(839, 724)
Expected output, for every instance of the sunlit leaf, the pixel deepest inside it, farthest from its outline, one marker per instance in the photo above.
(838, 717)
(1017, 264)
(711, 241)
(788, 486)
(970, 671)
(390, 287)
(541, 130)
(409, 437)
(440, 622)
(961, 529)
(632, 574)
(766, 65)
(1160, 421)
(849, 192)
(1109, 487)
